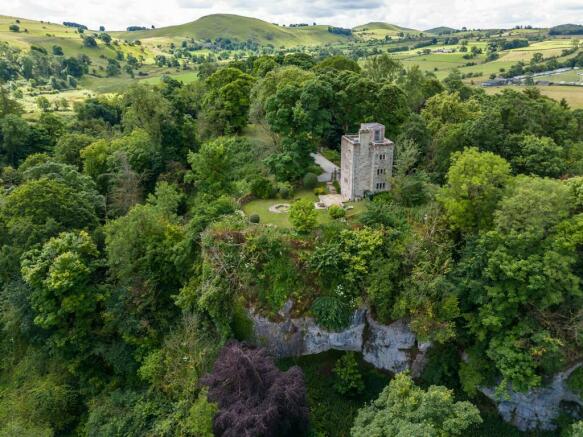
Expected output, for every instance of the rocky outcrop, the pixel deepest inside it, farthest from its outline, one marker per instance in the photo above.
(537, 408)
(391, 347)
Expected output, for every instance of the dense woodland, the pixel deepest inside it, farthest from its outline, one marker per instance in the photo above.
(127, 264)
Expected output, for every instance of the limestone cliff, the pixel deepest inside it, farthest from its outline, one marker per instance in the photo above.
(391, 347)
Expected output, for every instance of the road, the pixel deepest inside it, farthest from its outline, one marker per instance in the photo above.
(328, 166)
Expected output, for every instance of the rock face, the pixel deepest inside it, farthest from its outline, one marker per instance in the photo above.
(537, 408)
(390, 347)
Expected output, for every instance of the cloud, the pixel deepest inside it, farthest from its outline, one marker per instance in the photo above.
(420, 14)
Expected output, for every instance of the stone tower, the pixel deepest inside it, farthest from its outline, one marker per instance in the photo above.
(366, 162)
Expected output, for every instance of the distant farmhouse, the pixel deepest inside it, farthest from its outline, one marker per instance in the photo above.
(366, 162)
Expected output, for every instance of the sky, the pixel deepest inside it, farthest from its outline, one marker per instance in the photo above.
(417, 14)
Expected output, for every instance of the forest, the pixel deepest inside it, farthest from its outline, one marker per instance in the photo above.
(130, 265)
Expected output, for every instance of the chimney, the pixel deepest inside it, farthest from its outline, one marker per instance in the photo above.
(365, 135)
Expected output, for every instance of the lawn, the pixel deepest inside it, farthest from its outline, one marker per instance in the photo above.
(261, 208)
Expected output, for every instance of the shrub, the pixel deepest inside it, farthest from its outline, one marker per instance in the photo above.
(336, 212)
(262, 188)
(336, 186)
(302, 216)
(89, 41)
(200, 418)
(254, 218)
(348, 377)
(314, 168)
(331, 313)
(310, 181)
(285, 190)
(14, 28)
(320, 190)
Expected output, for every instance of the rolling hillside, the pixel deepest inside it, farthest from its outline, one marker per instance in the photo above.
(441, 30)
(379, 30)
(47, 35)
(237, 28)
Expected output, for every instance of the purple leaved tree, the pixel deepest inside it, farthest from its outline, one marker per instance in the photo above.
(255, 398)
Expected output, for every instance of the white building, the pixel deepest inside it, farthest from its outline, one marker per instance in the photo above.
(366, 162)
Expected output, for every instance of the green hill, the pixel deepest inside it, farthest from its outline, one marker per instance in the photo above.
(441, 30)
(238, 28)
(46, 35)
(380, 30)
(374, 25)
(566, 29)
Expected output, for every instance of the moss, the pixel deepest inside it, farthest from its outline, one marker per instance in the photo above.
(241, 324)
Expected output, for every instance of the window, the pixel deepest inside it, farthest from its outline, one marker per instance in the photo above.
(381, 185)
(382, 156)
(381, 171)
(377, 135)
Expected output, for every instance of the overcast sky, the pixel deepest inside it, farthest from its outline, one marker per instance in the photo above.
(418, 14)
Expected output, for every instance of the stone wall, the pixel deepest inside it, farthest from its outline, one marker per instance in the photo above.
(391, 347)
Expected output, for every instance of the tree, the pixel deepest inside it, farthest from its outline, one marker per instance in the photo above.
(43, 103)
(254, 396)
(89, 41)
(15, 136)
(539, 156)
(113, 68)
(338, 63)
(382, 68)
(267, 87)
(303, 216)
(42, 208)
(226, 102)
(403, 409)
(211, 166)
(64, 295)
(8, 105)
(146, 108)
(143, 254)
(475, 183)
(517, 278)
(301, 115)
(69, 146)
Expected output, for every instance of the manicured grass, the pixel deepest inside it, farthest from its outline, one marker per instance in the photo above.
(261, 208)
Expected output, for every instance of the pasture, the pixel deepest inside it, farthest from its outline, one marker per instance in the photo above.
(573, 95)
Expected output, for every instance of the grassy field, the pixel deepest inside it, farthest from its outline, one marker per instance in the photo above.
(46, 35)
(573, 95)
(72, 96)
(184, 77)
(378, 30)
(568, 76)
(261, 208)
